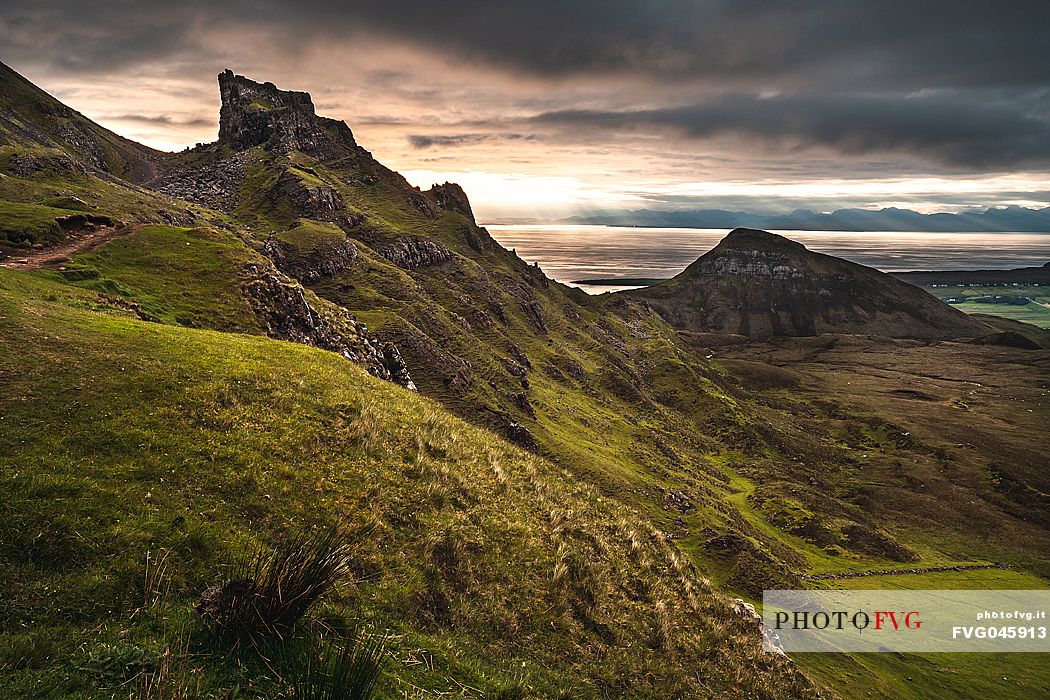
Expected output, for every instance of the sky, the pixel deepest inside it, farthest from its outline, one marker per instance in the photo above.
(547, 108)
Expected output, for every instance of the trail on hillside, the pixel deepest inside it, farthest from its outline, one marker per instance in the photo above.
(901, 572)
(76, 242)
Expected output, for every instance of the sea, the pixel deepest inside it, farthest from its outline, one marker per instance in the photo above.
(569, 253)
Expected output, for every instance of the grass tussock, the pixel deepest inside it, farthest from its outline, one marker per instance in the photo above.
(156, 584)
(274, 589)
(349, 669)
(662, 634)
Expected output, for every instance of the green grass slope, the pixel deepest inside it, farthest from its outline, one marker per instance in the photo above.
(26, 224)
(182, 276)
(44, 127)
(495, 573)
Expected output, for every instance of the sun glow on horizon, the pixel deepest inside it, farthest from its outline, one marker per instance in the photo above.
(495, 194)
(503, 194)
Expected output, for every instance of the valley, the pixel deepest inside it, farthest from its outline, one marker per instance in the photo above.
(551, 494)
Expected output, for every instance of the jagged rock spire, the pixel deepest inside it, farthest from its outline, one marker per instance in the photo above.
(254, 114)
(451, 197)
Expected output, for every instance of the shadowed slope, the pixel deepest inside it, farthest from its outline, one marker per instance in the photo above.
(31, 117)
(759, 284)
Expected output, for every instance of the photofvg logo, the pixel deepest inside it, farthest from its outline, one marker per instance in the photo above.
(906, 621)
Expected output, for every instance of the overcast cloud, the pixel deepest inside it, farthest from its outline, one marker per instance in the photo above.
(617, 96)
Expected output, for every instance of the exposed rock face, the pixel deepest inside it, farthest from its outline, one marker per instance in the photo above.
(519, 356)
(421, 204)
(259, 114)
(323, 261)
(451, 197)
(312, 200)
(522, 403)
(284, 310)
(410, 253)
(396, 367)
(479, 238)
(254, 114)
(760, 284)
(521, 436)
(282, 307)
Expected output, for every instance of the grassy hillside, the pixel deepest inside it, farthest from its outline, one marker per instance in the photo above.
(46, 129)
(497, 574)
(187, 277)
(272, 390)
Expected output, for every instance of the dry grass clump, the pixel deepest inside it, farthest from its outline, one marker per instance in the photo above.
(274, 589)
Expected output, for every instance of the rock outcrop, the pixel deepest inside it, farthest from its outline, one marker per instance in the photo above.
(310, 197)
(759, 284)
(396, 367)
(411, 253)
(285, 312)
(451, 197)
(256, 114)
(323, 260)
(521, 436)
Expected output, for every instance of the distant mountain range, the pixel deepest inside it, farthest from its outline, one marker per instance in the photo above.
(1011, 218)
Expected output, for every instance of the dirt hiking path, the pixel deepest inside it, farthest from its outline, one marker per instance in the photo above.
(75, 242)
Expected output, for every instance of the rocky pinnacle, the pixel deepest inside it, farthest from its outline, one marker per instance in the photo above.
(254, 114)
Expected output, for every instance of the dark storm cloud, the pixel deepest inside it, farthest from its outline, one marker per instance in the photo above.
(162, 120)
(941, 42)
(95, 36)
(935, 85)
(453, 140)
(879, 42)
(957, 129)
